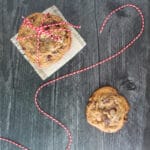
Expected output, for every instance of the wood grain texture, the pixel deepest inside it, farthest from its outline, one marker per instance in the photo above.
(67, 99)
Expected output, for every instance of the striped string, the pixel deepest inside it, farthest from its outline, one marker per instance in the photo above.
(68, 147)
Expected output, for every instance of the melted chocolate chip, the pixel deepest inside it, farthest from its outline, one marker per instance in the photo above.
(55, 52)
(49, 57)
(46, 28)
(33, 18)
(61, 47)
(106, 120)
(53, 22)
(48, 15)
(105, 100)
(24, 48)
(125, 118)
(58, 26)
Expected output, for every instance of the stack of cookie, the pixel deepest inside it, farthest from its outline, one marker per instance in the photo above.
(38, 36)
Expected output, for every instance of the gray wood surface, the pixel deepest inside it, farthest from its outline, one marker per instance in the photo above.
(67, 99)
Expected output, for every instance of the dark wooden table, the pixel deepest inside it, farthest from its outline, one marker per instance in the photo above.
(67, 99)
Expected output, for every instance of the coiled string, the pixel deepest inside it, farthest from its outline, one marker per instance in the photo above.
(68, 147)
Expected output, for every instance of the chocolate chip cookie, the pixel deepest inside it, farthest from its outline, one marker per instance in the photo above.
(107, 110)
(51, 44)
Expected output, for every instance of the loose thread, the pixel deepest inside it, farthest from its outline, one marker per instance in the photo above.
(68, 147)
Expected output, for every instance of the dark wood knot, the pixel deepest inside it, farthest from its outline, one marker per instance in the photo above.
(129, 85)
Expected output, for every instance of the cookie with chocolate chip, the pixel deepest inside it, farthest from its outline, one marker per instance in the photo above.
(107, 110)
(45, 38)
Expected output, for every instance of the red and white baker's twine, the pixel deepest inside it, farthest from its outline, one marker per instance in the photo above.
(80, 71)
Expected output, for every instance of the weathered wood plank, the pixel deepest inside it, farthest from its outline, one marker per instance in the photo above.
(67, 99)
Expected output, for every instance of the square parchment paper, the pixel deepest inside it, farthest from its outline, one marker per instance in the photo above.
(77, 44)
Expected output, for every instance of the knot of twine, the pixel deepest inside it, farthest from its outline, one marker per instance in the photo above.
(68, 147)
